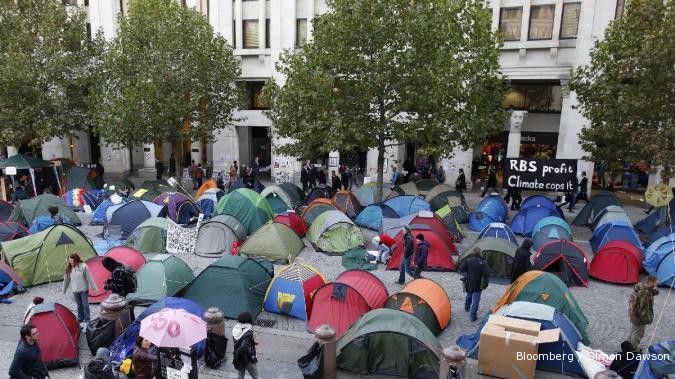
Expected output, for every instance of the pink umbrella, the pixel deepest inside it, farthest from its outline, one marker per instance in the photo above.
(173, 328)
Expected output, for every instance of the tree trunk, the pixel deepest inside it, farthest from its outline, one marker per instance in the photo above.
(380, 170)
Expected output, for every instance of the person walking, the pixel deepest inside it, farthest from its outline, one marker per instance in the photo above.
(27, 362)
(192, 170)
(305, 177)
(521, 260)
(234, 172)
(79, 279)
(144, 362)
(421, 256)
(641, 308)
(460, 183)
(583, 189)
(395, 177)
(408, 251)
(335, 182)
(475, 274)
(570, 195)
(159, 167)
(344, 177)
(172, 165)
(244, 356)
(255, 167)
(491, 182)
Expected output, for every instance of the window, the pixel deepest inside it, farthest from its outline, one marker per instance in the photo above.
(570, 20)
(234, 34)
(251, 34)
(89, 30)
(541, 22)
(252, 92)
(300, 32)
(534, 97)
(267, 33)
(86, 3)
(510, 20)
(620, 6)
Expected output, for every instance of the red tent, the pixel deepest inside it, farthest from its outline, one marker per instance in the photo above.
(440, 252)
(338, 305)
(122, 254)
(293, 221)
(565, 259)
(59, 334)
(435, 223)
(368, 285)
(617, 262)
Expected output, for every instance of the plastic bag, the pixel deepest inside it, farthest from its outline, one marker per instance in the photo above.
(100, 333)
(311, 364)
(216, 346)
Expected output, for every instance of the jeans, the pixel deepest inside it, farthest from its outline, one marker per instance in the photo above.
(252, 370)
(82, 301)
(637, 331)
(405, 267)
(471, 304)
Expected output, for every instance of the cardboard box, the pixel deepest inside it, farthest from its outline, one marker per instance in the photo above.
(509, 346)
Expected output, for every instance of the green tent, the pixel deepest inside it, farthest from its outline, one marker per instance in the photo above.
(312, 211)
(295, 193)
(277, 204)
(498, 254)
(452, 198)
(389, 342)
(42, 257)
(24, 162)
(288, 193)
(247, 206)
(163, 275)
(354, 259)
(334, 233)
(234, 284)
(149, 236)
(451, 223)
(27, 210)
(274, 241)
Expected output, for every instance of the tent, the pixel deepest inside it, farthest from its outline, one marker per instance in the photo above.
(347, 202)
(406, 205)
(82, 177)
(99, 215)
(549, 318)
(117, 185)
(206, 186)
(617, 262)
(179, 207)
(334, 233)
(247, 206)
(318, 192)
(26, 162)
(276, 242)
(232, 283)
(277, 204)
(498, 254)
(289, 195)
(208, 200)
(371, 216)
(295, 192)
(440, 253)
(542, 201)
(315, 208)
(78, 198)
(452, 199)
(123, 346)
(611, 213)
(490, 209)
(449, 217)
(552, 220)
(441, 195)
(42, 257)
(27, 210)
(367, 194)
(340, 303)
(389, 342)
(426, 300)
(293, 221)
(150, 236)
(614, 231)
(100, 274)
(11, 230)
(549, 233)
(290, 292)
(662, 364)
(659, 260)
(661, 232)
(498, 230)
(600, 201)
(10, 282)
(163, 275)
(661, 216)
(524, 221)
(6, 210)
(132, 214)
(239, 184)
(565, 259)
(422, 220)
(545, 288)
(216, 236)
(150, 189)
(59, 334)
(420, 188)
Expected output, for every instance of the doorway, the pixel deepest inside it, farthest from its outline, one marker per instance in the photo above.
(261, 147)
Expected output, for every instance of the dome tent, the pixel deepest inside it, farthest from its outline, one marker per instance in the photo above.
(565, 259)
(524, 221)
(216, 236)
(346, 202)
(247, 206)
(150, 236)
(371, 216)
(334, 233)
(318, 192)
(289, 194)
(498, 230)
(406, 205)
(163, 275)
(28, 210)
(132, 214)
(426, 300)
(99, 216)
(59, 334)
(490, 209)
(614, 231)
(207, 185)
(659, 260)
(315, 208)
(609, 214)
(617, 262)
(599, 201)
(498, 254)
(6, 210)
(180, 209)
(273, 241)
(208, 200)
(11, 230)
(449, 217)
(291, 290)
(550, 229)
(439, 256)
(542, 201)
(293, 221)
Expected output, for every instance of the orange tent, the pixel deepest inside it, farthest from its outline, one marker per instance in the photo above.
(315, 208)
(211, 183)
(426, 300)
(347, 202)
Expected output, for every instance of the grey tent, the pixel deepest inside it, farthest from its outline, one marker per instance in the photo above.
(216, 236)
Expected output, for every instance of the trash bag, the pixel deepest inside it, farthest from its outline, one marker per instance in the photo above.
(100, 333)
(311, 364)
(97, 369)
(216, 345)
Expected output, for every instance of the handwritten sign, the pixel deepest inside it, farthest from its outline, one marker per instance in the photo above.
(180, 240)
(172, 373)
(540, 175)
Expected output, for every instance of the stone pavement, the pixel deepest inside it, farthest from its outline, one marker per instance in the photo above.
(604, 304)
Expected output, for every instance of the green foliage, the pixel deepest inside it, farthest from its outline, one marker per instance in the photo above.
(382, 71)
(166, 68)
(46, 59)
(627, 89)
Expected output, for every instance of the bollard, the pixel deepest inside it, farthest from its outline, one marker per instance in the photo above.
(607, 374)
(215, 321)
(325, 334)
(116, 308)
(454, 360)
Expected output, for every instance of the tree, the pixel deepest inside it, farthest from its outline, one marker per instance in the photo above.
(165, 77)
(46, 60)
(379, 73)
(627, 91)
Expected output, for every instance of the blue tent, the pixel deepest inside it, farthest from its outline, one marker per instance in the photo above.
(663, 364)
(130, 215)
(550, 318)
(660, 232)
(614, 231)
(526, 219)
(371, 216)
(548, 233)
(366, 195)
(609, 214)
(10, 282)
(659, 217)
(498, 230)
(406, 205)
(490, 209)
(552, 220)
(541, 201)
(123, 346)
(41, 223)
(659, 260)
(98, 217)
(208, 201)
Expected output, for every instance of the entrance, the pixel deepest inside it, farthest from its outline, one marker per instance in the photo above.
(94, 147)
(261, 147)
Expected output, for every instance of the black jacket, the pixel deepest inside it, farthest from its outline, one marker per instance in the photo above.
(321, 174)
(422, 254)
(625, 364)
(476, 271)
(521, 261)
(335, 183)
(305, 174)
(492, 179)
(408, 245)
(27, 363)
(583, 185)
(461, 182)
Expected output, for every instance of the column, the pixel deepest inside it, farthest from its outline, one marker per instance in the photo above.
(571, 124)
(239, 31)
(225, 149)
(310, 18)
(115, 159)
(149, 155)
(262, 24)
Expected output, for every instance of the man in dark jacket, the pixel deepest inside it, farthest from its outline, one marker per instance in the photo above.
(335, 182)
(521, 261)
(321, 175)
(27, 363)
(306, 176)
(408, 251)
(421, 256)
(583, 188)
(475, 274)
(641, 308)
(159, 167)
(491, 182)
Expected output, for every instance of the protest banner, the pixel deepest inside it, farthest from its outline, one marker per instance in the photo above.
(540, 175)
(180, 240)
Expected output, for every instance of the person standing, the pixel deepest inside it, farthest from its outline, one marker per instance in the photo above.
(199, 175)
(344, 177)
(79, 279)
(408, 251)
(521, 261)
(234, 171)
(321, 174)
(583, 188)
(335, 182)
(244, 356)
(460, 183)
(395, 177)
(421, 256)
(159, 167)
(192, 170)
(602, 174)
(144, 362)
(440, 174)
(491, 182)
(27, 362)
(172, 165)
(305, 176)
(641, 308)
(570, 195)
(476, 275)
(255, 166)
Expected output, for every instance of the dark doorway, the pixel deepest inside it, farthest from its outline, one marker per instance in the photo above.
(261, 147)
(94, 147)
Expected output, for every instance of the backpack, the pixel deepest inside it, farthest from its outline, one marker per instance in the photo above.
(243, 351)
(123, 281)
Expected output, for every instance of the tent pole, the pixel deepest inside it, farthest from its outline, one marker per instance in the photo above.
(58, 181)
(32, 176)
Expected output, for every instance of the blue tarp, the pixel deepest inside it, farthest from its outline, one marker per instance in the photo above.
(132, 214)
(498, 230)
(659, 259)
(406, 205)
(541, 201)
(490, 209)
(614, 231)
(526, 219)
(371, 216)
